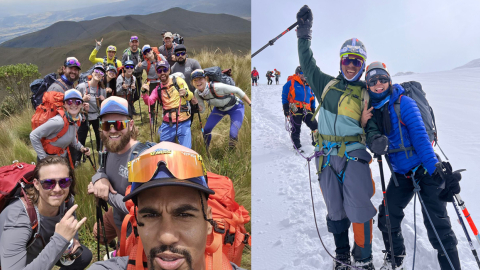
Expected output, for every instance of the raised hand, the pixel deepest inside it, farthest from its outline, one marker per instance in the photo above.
(366, 114)
(69, 225)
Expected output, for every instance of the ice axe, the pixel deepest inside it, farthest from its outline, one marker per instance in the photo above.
(271, 42)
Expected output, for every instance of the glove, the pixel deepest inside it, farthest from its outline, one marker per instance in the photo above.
(452, 181)
(286, 109)
(305, 21)
(379, 144)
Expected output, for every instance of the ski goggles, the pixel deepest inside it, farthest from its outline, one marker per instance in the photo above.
(132, 38)
(162, 70)
(77, 102)
(99, 72)
(48, 184)
(111, 49)
(181, 53)
(197, 74)
(147, 51)
(72, 62)
(182, 165)
(118, 125)
(357, 61)
(129, 67)
(382, 79)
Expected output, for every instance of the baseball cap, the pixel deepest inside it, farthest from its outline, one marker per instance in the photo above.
(115, 105)
(72, 62)
(167, 164)
(162, 64)
(72, 94)
(180, 47)
(168, 35)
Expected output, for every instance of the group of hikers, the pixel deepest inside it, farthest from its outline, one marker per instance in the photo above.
(270, 74)
(376, 114)
(168, 182)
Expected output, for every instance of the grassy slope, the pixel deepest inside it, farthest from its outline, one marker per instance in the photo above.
(15, 145)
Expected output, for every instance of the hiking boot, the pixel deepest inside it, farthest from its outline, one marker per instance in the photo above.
(387, 261)
(299, 149)
(366, 264)
(344, 258)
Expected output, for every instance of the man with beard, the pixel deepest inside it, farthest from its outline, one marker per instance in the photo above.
(134, 54)
(173, 98)
(68, 74)
(173, 216)
(168, 49)
(119, 136)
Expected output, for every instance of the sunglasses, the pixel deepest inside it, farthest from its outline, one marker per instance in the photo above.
(183, 165)
(118, 125)
(300, 73)
(147, 51)
(111, 49)
(98, 72)
(181, 53)
(349, 59)
(374, 81)
(72, 62)
(48, 184)
(162, 69)
(134, 38)
(77, 102)
(129, 67)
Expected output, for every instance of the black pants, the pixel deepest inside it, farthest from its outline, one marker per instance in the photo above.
(83, 133)
(80, 263)
(297, 120)
(276, 80)
(269, 81)
(254, 81)
(399, 197)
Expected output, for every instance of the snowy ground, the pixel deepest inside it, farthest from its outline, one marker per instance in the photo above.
(284, 233)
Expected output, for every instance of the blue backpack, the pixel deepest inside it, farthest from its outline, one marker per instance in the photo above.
(40, 86)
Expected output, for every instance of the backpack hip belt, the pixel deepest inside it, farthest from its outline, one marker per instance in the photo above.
(183, 108)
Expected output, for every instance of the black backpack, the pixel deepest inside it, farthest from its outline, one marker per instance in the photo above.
(40, 86)
(215, 74)
(85, 75)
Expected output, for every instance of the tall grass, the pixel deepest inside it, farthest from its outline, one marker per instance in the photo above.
(234, 163)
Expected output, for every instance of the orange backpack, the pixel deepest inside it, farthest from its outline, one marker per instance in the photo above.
(52, 104)
(224, 245)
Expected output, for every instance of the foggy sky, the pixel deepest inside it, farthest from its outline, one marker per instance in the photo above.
(411, 35)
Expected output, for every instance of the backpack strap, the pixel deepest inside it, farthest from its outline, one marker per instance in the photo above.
(62, 84)
(396, 107)
(232, 97)
(57, 150)
(324, 93)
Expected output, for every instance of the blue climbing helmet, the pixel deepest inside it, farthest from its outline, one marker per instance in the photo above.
(355, 47)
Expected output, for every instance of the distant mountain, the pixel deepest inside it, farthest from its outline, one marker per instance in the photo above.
(173, 20)
(404, 73)
(472, 64)
(49, 47)
(14, 26)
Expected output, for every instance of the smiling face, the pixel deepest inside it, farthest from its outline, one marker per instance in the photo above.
(72, 73)
(350, 71)
(134, 45)
(51, 199)
(111, 54)
(116, 141)
(73, 109)
(379, 84)
(163, 75)
(199, 83)
(168, 42)
(174, 231)
(111, 74)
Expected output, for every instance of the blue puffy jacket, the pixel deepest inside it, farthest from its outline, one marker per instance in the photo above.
(414, 133)
(300, 93)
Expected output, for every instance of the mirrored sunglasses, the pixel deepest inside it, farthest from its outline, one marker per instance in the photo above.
(198, 74)
(181, 53)
(162, 70)
(98, 72)
(147, 51)
(132, 38)
(48, 184)
(355, 60)
(77, 102)
(111, 49)
(118, 125)
(129, 67)
(72, 62)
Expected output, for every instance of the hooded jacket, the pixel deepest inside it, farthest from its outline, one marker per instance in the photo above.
(295, 91)
(413, 132)
(93, 57)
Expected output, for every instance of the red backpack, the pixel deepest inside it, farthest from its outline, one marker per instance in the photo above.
(13, 179)
(224, 245)
(52, 104)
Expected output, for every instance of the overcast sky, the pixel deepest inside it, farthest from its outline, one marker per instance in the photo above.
(22, 7)
(410, 35)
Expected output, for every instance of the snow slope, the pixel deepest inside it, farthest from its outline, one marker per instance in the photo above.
(284, 233)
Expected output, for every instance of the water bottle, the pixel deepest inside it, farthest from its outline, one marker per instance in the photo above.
(66, 260)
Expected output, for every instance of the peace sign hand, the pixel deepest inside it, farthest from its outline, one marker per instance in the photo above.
(99, 43)
(69, 225)
(366, 114)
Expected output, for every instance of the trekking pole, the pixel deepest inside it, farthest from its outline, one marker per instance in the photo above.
(389, 226)
(101, 204)
(470, 243)
(203, 132)
(271, 42)
(91, 162)
(156, 117)
(150, 121)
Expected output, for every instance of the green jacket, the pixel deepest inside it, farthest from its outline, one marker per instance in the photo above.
(340, 112)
